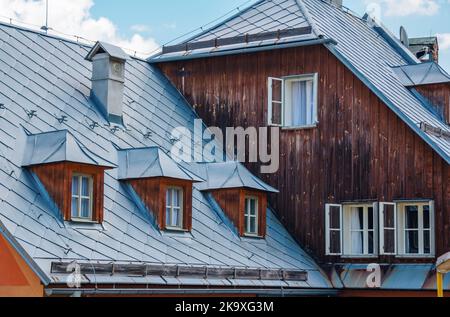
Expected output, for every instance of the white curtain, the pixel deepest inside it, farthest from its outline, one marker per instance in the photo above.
(357, 224)
(302, 111)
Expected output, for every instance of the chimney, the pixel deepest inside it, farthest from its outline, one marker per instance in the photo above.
(108, 79)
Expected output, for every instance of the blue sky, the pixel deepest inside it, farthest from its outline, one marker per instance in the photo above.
(168, 19)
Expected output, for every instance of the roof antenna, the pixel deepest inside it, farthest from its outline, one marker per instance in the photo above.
(45, 27)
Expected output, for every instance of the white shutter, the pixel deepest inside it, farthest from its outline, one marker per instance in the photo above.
(385, 228)
(272, 101)
(332, 230)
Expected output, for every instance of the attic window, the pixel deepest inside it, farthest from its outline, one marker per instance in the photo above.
(174, 207)
(251, 216)
(82, 196)
(293, 101)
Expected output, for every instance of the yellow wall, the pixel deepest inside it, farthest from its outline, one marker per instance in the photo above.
(16, 277)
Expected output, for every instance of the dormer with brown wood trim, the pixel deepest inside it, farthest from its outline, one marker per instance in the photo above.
(161, 184)
(240, 195)
(431, 82)
(72, 176)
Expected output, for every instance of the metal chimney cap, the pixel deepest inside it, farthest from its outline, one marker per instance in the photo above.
(112, 50)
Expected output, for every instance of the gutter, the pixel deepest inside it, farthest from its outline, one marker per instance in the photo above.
(24, 255)
(156, 60)
(277, 292)
(386, 100)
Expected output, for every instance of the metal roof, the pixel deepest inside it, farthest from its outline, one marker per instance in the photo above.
(150, 163)
(59, 146)
(367, 48)
(231, 175)
(260, 25)
(51, 77)
(103, 47)
(422, 74)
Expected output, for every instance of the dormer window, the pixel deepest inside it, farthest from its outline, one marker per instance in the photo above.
(251, 216)
(240, 195)
(68, 174)
(82, 196)
(161, 186)
(174, 207)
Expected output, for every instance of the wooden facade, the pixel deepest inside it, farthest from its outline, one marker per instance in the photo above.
(359, 151)
(232, 202)
(152, 192)
(439, 97)
(57, 180)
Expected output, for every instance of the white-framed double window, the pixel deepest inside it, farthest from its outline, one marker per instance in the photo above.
(351, 230)
(82, 197)
(251, 217)
(292, 101)
(416, 229)
(404, 229)
(174, 208)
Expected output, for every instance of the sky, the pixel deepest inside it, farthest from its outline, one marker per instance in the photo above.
(144, 25)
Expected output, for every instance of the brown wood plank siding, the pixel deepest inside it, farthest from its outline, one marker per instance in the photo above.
(57, 180)
(360, 149)
(152, 192)
(232, 202)
(439, 96)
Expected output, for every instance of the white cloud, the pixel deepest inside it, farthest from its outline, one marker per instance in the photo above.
(140, 28)
(73, 17)
(444, 41)
(407, 7)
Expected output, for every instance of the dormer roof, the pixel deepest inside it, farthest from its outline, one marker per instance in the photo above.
(59, 146)
(422, 74)
(231, 175)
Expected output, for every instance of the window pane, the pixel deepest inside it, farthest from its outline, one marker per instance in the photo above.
(335, 242)
(75, 207)
(85, 187)
(85, 208)
(335, 217)
(277, 88)
(357, 242)
(371, 242)
(301, 110)
(389, 241)
(176, 198)
(168, 216)
(427, 242)
(169, 198)
(175, 218)
(252, 225)
(75, 185)
(412, 217)
(426, 217)
(370, 218)
(389, 216)
(412, 242)
(253, 207)
(276, 113)
(357, 218)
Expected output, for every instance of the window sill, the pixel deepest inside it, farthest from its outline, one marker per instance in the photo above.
(252, 236)
(175, 230)
(83, 221)
(305, 127)
(359, 257)
(415, 256)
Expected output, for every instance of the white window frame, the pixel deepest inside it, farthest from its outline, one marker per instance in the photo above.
(347, 230)
(171, 205)
(328, 229)
(314, 77)
(80, 198)
(401, 230)
(248, 216)
(383, 228)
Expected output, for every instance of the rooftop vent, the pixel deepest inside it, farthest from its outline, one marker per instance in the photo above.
(108, 79)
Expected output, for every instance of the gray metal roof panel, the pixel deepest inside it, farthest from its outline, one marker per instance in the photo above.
(422, 74)
(125, 235)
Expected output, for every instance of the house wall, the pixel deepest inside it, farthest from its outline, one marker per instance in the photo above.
(439, 96)
(16, 278)
(360, 149)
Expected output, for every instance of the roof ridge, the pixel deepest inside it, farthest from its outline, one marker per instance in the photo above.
(55, 37)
